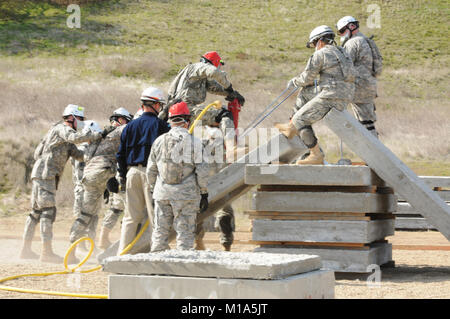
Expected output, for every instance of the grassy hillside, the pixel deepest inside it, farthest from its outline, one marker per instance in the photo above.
(125, 45)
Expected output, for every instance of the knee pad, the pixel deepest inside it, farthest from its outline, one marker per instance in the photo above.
(49, 213)
(307, 135)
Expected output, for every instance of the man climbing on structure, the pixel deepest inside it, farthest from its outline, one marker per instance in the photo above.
(101, 167)
(367, 61)
(51, 156)
(335, 89)
(193, 83)
(178, 175)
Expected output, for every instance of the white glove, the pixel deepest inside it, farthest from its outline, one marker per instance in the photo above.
(291, 84)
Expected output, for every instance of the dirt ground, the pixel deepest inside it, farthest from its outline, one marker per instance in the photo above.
(422, 266)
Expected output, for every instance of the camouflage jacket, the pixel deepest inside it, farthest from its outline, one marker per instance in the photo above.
(55, 149)
(335, 71)
(176, 169)
(360, 52)
(195, 80)
(103, 154)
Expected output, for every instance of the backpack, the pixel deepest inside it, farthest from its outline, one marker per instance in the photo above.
(377, 65)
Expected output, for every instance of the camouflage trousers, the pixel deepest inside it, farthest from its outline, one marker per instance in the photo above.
(224, 223)
(365, 114)
(94, 185)
(182, 215)
(116, 208)
(311, 112)
(43, 205)
(226, 125)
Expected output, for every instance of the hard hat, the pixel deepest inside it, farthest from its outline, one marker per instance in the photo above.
(318, 33)
(179, 109)
(121, 112)
(213, 57)
(153, 94)
(92, 126)
(343, 22)
(74, 110)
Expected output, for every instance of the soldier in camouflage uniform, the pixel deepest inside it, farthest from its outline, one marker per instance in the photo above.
(116, 199)
(193, 83)
(335, 89)
(101, 167)
(214, 147)
(359, 49)
(51, 156)
(178, 176)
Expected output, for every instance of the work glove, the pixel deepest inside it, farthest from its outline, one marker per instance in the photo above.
(123, 183)
(112, 185)
(108, 130)
(291, 84)
(235, 95)
(106, 196)
(204, 203)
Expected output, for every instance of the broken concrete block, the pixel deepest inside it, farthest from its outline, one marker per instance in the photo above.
(217, 264)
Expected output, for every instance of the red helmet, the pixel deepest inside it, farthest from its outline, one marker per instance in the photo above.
(179, 109)
(214, 57)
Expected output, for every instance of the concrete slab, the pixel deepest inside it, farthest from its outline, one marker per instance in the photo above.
(341, 260)
(329, 231)
(389, 168)
(444, 195)
(323, 202)
(412, 223)
(436, 181)
(323, 175)
(318, 284)
(217, 264)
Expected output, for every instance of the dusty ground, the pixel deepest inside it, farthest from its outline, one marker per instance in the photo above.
(417, 273)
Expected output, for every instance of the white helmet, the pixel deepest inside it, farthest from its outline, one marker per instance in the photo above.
(91, 126)
(318, 33)
(343, 22)
(121, 112)
(153, 94)
(74, 110)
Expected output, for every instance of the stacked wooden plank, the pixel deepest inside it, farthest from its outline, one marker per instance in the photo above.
(408, 218)
(341, 213)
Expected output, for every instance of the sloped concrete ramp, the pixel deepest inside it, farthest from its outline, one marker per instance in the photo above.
(391, 169)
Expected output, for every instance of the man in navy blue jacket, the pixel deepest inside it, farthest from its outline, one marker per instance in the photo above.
(135, 145)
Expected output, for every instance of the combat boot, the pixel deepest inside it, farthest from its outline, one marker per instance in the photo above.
(226, 247)
(48, 255)
(287, 129)
(26, 252)
(199, 245)
(104, 238)
(315, 157)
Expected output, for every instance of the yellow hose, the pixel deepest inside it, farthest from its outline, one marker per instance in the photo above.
(217, 104)
(70, 270)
